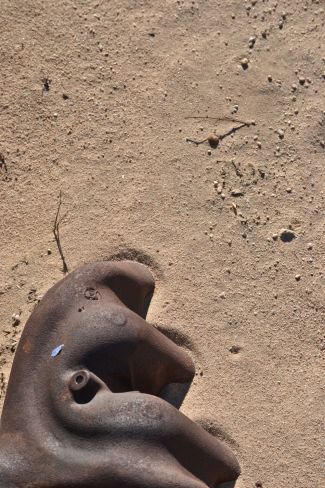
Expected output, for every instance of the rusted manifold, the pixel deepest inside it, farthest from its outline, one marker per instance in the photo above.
(84, 404)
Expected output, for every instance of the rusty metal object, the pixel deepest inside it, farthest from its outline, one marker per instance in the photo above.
(83, 405)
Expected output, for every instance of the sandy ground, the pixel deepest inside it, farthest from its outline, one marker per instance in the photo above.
(95, 101)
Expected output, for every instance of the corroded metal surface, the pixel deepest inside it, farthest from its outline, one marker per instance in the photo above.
(83, 408)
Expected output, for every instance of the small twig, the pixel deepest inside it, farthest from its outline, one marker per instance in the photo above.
(56, 233)
(197, 142)
(214, 139)
(229, 119)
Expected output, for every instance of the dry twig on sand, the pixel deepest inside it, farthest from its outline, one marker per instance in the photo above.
(214, 138)
(56, 233)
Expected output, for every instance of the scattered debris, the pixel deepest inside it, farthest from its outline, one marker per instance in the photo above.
(56, 233)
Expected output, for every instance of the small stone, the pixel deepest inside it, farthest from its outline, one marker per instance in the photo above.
(49, 251)
(209, 152)
(287, 235)
(234, 349)
(244, 63)
(297, 277)
(237, 192)
(15, 319)
(309, 246)
(222, 295)
(301, 80)
(281, 133)
(270, 78)
(251, 41)
(223, 196)
(289, 190)
(275, 236)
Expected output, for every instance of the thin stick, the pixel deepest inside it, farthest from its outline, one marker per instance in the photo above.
(229, 119)
(56, 233)
(231, 131)
(215, 139)
(196, 142)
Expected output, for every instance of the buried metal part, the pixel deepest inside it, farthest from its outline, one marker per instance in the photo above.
(96, 413)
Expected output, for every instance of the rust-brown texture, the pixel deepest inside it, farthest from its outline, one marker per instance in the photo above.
(83, 405)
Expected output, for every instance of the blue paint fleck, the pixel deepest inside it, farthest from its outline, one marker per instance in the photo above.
(56, 351)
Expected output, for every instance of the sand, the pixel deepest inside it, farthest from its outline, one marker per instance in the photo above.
(96, 101)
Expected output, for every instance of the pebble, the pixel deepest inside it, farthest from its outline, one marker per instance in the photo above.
(287, 235)
(275, 236)
(297, 277)
(270, 78)
(15, 319)
(222, 295)
(309, 246)
(302, 80)
(251, 41)
(237, 192)
(281, 133)
(244, 63)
